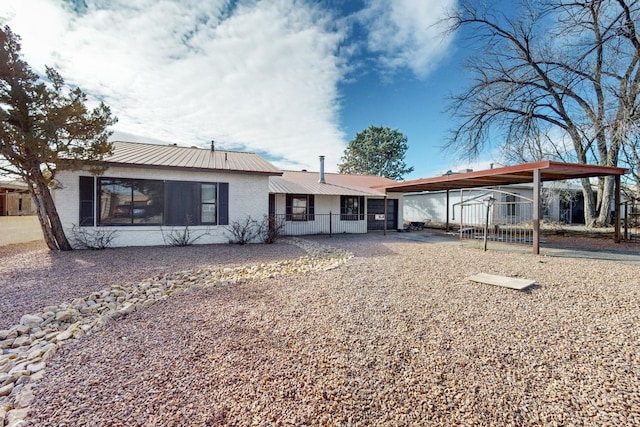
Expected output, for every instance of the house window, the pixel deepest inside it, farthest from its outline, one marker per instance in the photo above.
(300, 207)
(510, 205)
(130, 201)
(208, 203)
(351, 208)
(124, 201)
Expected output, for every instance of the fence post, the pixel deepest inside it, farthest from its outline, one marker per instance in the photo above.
(489, 203)
(626, 230)
(330, 223)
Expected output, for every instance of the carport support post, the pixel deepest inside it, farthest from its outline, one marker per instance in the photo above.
(385, 215)
(447, 204)
(616, 216)
(536, 211)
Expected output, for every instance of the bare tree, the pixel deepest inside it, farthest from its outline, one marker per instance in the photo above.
(564, 68)
(631, 160)
(45, 127)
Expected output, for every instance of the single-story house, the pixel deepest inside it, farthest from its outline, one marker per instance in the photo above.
(149, 191)
(329, 203)
(15, 199)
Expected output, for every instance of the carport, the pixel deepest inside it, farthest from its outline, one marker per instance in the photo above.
(535, 173)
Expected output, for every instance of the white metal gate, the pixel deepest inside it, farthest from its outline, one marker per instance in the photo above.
(497, 216)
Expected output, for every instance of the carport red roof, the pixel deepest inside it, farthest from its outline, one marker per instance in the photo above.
(549, 171)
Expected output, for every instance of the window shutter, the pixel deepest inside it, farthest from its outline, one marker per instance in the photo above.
(182, 203)
(87, 201)
(343, 205)
(272, 204)
(223, 203)
(311, 207)
(288, 210)
(361, 205)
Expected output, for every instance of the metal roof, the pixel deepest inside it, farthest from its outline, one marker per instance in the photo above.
(174, 156)
(302, 182)
(13, 185)
(549, 171)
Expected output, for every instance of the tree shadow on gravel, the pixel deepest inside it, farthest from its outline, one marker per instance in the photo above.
(32, 277)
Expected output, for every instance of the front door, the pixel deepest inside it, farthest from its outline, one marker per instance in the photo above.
(375, 208)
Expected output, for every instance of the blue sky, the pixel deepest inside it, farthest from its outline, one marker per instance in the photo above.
(289, 79)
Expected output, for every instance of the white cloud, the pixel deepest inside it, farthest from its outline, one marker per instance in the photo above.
(408, 33)
(262, 77)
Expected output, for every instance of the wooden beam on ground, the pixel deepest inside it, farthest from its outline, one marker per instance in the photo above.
(505, 282)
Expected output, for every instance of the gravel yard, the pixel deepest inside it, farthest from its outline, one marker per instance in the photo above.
(396, 336)
(32, 277)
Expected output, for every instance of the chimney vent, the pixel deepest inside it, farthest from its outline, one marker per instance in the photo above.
(321, 180)
(213, 145)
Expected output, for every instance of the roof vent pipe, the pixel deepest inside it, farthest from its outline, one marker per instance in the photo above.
(213, 145)
(321, 180)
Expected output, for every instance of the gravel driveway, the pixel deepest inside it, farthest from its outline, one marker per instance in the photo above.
(396, 336)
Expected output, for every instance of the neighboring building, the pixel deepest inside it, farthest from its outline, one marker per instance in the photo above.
(323, 203)
(562, 202)
(15, 199)
(18, 220)
(150, 190)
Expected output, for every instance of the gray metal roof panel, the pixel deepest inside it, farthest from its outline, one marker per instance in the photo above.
(174, 156)
(302, 182)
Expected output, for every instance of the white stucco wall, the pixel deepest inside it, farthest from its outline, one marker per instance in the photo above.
(323, 206)
(248, 197)
(431, 206)
(19, 229)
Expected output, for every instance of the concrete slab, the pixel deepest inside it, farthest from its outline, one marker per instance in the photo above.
(505, 282)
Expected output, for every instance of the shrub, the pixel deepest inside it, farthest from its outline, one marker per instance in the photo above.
(245, 230)
(272, 228)
(181, 236)
(89, 238)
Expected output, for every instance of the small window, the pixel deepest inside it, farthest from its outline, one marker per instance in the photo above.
(349, 208)
(300, 207)
(510, 205)
(208, 204)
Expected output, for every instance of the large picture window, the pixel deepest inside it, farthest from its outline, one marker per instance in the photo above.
(130, 201)
(300, 207)
(124, 201)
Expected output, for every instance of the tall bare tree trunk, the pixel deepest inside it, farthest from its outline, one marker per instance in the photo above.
(52, 229)
(54, 218)
(47, 233)
(589, 203)
(605, 197)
